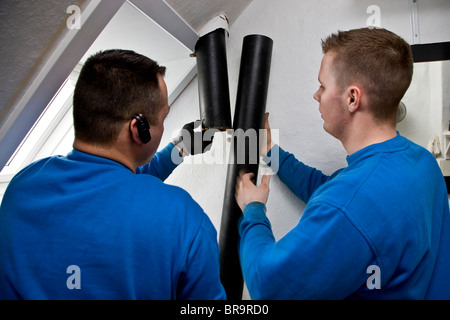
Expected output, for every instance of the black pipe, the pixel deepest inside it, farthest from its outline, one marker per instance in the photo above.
(212, 72)
(248, 119)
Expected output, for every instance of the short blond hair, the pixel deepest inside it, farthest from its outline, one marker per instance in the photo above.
(377, 59)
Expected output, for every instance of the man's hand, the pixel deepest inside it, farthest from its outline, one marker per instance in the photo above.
(247, 192)
(194, 139)
(266, 144)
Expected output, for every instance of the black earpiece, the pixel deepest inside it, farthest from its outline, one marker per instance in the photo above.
(143, 128)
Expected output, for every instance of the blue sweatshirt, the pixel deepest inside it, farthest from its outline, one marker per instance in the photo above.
(85, 227)
(377, 229)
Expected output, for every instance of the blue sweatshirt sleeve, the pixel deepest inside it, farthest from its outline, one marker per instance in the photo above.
(162, 164)
(301, 179)
(303, 264)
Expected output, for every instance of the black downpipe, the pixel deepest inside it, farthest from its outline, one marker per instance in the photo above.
(212, 72)
(249, 114)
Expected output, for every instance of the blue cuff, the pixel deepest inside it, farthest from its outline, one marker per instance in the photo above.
(254, 214)
(255, 210)
(272, 158)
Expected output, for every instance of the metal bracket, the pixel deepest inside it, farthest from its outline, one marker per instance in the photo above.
(415, 31)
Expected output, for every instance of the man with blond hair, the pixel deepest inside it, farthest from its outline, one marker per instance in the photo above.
(377, 229)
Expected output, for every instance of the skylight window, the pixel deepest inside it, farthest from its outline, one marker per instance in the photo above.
(129, 29)
(43, 129)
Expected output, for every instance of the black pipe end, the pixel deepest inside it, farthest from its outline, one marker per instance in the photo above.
(212, 72)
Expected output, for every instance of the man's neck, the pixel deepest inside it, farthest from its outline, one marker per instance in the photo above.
(104, 152)
(364, 136)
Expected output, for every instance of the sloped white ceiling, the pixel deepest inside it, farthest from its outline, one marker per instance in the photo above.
(197, 13)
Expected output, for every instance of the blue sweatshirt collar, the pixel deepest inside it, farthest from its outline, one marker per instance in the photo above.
(393, 145)
(77, 155)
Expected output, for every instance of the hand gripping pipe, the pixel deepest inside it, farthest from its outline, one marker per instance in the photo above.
(248, 119)
(212, 72)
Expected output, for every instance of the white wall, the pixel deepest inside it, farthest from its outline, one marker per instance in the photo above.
(424, 110)
(296, 28)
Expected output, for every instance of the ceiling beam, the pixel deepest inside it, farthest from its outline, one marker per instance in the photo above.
(168, 19)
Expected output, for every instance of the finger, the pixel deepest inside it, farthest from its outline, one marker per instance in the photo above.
(266, 121)
(239, 178)
(244, 172)
(249, 177)
(265, 181)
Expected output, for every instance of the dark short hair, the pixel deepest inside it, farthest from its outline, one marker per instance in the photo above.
(113, 86)
(377, 59)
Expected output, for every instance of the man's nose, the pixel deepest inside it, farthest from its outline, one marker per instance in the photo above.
(316, 96)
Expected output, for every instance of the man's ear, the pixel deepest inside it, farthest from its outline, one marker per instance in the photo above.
(353, 98)
(134, 132)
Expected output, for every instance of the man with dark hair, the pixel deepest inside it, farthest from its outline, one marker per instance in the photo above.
(100, 223)
(377, 229)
